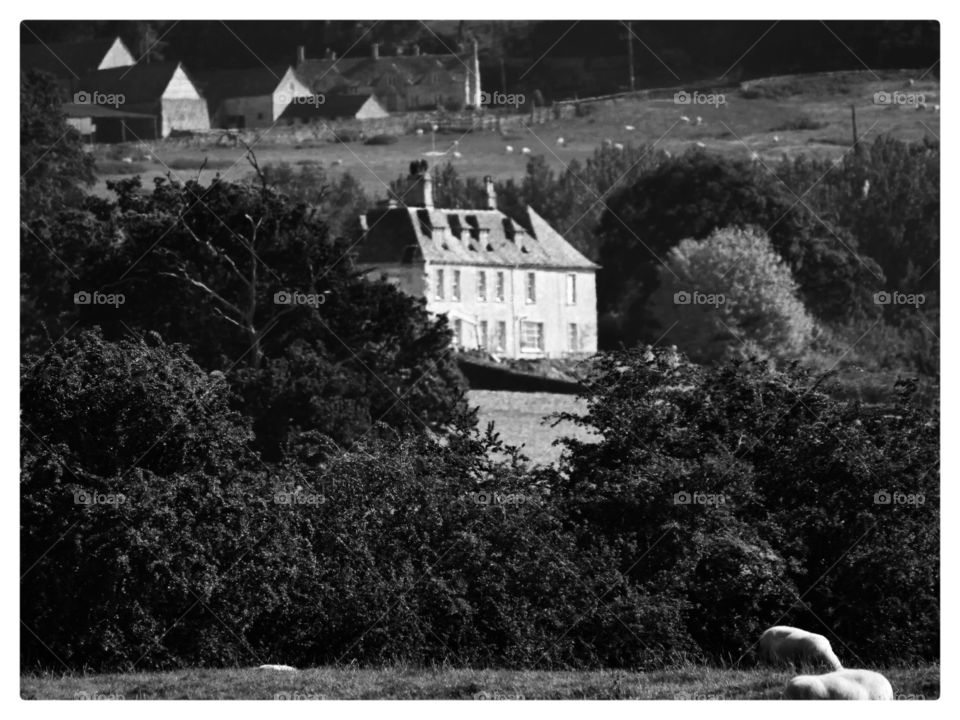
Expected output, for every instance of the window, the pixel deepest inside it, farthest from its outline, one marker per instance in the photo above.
(458, 332)
(531, 288)
(573, 338)
(482, 286)
(439, 288)
(456, 286)
(483, 339)
(500, 339)
(500, 287)
(531, 336)
(571, 289)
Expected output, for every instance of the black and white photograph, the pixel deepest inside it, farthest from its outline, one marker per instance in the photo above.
(477, 360)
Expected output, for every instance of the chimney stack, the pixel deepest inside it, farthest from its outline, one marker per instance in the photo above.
(491, 193)
(329, 54)
(301, 54)
(419, 186)
(375, 51)
(416, 50)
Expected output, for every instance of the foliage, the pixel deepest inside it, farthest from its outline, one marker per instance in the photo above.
(247, 279)
(692, 196)
(53, 166)
(726, 291)
(400, 549)
(783, 516)
(887, 196)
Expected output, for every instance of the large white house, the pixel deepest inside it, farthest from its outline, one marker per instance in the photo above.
(514, 291)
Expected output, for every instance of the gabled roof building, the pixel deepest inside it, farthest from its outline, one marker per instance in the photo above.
(512, 289)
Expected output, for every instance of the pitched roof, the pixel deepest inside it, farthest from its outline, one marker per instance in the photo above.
(323, 74)
(139, 84)
(84, 110)
(468, 237)
(333, 107)
(248, 82)
(66, 59)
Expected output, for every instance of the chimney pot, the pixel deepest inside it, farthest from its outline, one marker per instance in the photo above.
(420, 188)
(375, 51)
(301, 53)
(416, 50)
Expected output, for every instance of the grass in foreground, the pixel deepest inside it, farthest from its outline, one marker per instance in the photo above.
(402, 683)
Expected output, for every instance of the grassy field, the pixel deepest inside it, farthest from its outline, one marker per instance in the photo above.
(809, 116)
(518, 417)
(692, 683)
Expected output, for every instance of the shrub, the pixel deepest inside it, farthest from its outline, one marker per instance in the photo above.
(728, 290)
(382, 139)
(814, 502)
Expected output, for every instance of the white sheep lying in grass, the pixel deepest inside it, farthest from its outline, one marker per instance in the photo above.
(279, 668)
(788, 645)
(839, 685)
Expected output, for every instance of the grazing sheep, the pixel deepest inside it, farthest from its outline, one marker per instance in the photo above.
(525, 151)
(776, 138)
(629, 127)
(561, 141)
(754, 157)
(419, 131)
(699, 120)
(457, 154)
(936, 109)
(607, 142)
(684, 118)
(281, 668)
(700, 145)
(784, 644)
(127, 159)
(618, 146)
(839, 685)
(338, 161)
(911, 82)
(509, 148)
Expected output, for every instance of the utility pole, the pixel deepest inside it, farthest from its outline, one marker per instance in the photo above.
(628, 24)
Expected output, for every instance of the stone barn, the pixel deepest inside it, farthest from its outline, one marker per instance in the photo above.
(250, 98)
(163, 90)
(333, 107)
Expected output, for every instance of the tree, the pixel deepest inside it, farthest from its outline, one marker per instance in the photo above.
(728, 292)
(54, 169)
(253, 284)
(692, 196)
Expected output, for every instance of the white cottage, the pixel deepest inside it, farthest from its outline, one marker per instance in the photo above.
(514, 290)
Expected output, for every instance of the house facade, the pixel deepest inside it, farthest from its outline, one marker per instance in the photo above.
(401, 82)
(513, 290)
(251, 98)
